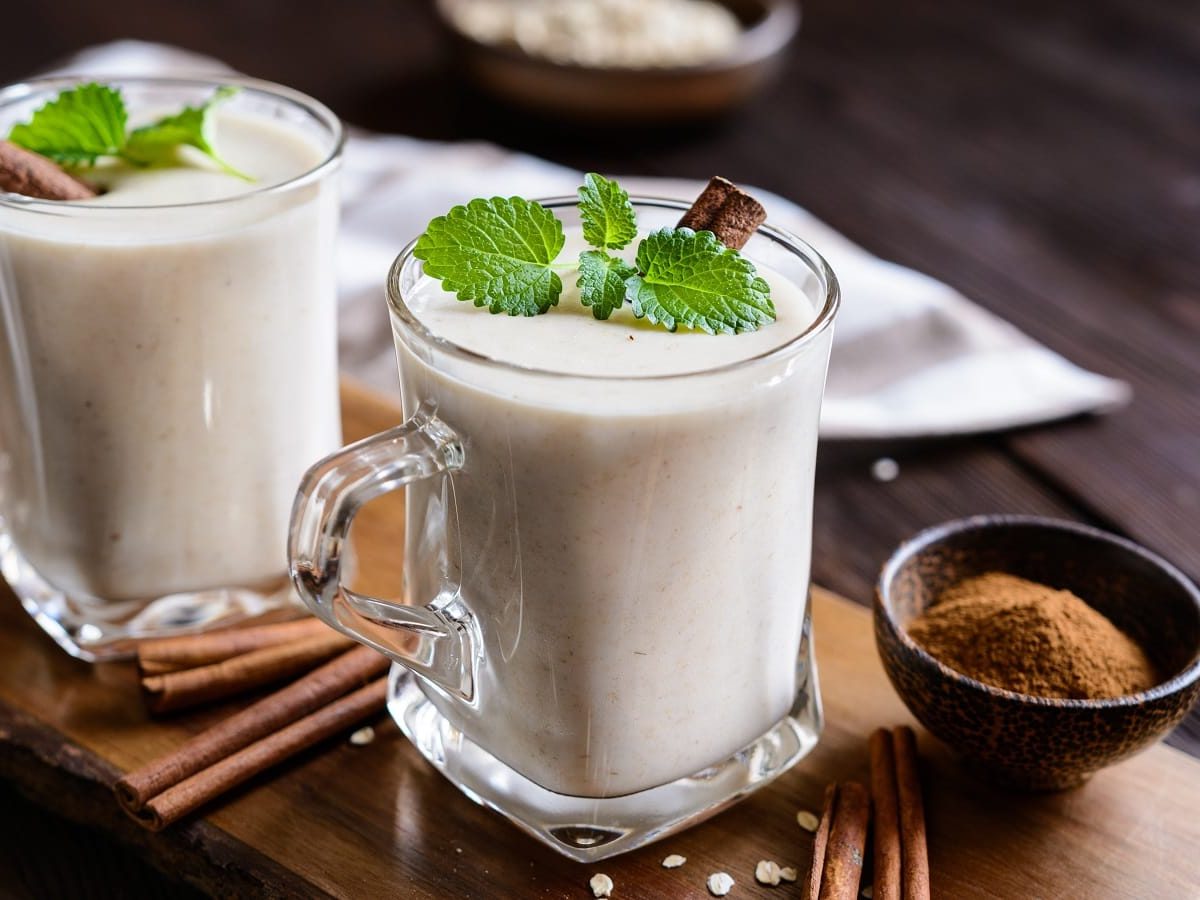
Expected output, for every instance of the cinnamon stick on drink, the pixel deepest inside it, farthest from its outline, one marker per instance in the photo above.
(192, 650)
(317, 689)
(176, 690)
(727, 211)
(33, 175)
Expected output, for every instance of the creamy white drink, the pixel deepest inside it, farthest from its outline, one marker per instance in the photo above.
(636, 548)
(170, 365)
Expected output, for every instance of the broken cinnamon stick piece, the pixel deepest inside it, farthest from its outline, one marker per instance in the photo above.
(705, 207)
(208, 784)
(847, 843)
(239, 674)
(189, 651)
(33, 175)
(811, 889)
(727, 211)
(737, 219)
(914, 848)
(316, 689)
(885, 816)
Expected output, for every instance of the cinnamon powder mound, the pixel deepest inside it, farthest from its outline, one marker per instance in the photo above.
(1026, 637)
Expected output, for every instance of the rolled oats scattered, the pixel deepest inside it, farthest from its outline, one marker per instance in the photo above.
(767, 872)
(604, 33)
(787, 873)
(719, 884)
(674, 861)
(601, 885)
(807, 820)
(363, 736)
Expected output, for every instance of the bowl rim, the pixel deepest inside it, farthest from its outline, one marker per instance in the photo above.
(932, 535)
(763, 40)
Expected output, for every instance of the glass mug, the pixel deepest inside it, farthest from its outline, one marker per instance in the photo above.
(604, 626)
(154, 361)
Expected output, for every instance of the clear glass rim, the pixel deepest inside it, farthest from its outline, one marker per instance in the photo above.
(23, 89)
(785, 239)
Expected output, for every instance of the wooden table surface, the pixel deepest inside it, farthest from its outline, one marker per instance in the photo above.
(1042, 157)
(378, 821)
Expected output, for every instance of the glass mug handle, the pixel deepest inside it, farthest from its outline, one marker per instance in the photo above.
(437, 641)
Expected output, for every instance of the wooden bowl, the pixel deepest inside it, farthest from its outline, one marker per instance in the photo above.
(1039, 743)
(675, 94)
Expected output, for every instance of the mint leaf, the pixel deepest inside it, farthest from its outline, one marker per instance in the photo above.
(193, 127)
(608, 218)
(691, 278)
(76, 127)
(496, 253)
(602, 282)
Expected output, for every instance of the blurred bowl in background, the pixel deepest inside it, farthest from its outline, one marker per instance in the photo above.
(618, 94)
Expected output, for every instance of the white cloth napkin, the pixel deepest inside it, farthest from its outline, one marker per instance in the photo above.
(911, 356)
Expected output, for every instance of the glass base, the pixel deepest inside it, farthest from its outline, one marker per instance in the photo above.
(95, 630)
(588, 829)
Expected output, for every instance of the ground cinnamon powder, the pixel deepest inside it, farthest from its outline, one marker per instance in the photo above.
(1026, 637)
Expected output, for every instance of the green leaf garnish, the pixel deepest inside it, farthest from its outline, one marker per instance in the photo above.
(496, 253)
(87, 122)
(609, 221)
(602, 282)
(500, 253)
(77, 127)
(690, 278)
(158, 142)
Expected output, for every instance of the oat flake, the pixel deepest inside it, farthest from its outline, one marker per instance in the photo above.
(363, 736)
(807, 820)
(601, 886)
(767, 872)
(674, 861)
(885, 469)
(719, 884)
(787, 873)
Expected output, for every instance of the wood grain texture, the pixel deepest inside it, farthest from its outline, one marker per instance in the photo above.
(1039, 156)
(377, 821)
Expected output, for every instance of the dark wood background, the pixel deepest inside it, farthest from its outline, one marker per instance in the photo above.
(1042, 157)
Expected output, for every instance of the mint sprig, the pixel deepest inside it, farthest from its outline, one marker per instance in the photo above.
(497, 253)
(690, 278)
(159, 142)
(501, 253)
(88, 122)
(602, 282)
(608, 218)
(77, 127)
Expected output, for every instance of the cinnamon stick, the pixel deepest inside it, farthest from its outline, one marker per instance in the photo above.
(33, 175)
(706, 206)
(885, 816)
(847, 843)
(191, 687)
(811, 888)
(161, 655)
(207, 784)
(727, 211)
(914, 846)
(737, 219)
(332, 680)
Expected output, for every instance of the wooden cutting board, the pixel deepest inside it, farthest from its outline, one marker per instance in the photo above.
(377, 821)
